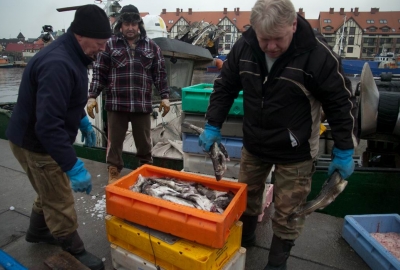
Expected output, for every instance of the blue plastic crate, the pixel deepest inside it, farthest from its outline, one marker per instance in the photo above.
(196, 98)
(356, 231)
(233, 145)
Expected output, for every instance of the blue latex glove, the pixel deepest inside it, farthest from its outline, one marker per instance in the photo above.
(210, 135)
(342, 161)
(88, 134)
(80, 178)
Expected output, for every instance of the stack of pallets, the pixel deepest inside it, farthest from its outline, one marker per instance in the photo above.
(151, 233)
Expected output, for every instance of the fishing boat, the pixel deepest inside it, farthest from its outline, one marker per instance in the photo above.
(5, 63)
(372, 189)
(385, 62)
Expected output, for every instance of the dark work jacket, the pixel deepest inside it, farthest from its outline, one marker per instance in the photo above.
(51, 100)
(282, 108)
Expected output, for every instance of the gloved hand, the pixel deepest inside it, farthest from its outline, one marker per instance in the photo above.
(80, 178)
(164, 105)
(342, 161)
(210, 135)
(90, 105)
(88, 134)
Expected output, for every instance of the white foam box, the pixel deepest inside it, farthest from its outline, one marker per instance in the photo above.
(124, 260)
(267, 199)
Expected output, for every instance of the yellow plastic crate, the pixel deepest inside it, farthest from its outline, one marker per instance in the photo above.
(179, 255)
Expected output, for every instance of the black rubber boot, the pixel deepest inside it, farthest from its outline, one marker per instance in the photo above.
(279, 253)
(73, 244)
(38, 232)
(248, 230)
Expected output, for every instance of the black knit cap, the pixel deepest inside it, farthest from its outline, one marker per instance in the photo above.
(91, 21)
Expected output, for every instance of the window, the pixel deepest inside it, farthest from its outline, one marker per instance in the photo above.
(385, 29)
(327, 20)
(350, 49)
(171, 21)
(370, 21)
(351, 40)
(372, 29)
(328, 28)
(398, 41)
(352, 31)
(227, 28)
(227, 38)
(228, 46)
(383, 21)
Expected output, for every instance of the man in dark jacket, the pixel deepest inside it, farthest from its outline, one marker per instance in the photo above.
(44, 125)
(286, 72)
(126, 71)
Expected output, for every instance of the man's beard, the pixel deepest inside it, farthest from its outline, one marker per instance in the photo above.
(134, 37)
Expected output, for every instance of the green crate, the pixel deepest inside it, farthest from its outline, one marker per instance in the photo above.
(196, 98)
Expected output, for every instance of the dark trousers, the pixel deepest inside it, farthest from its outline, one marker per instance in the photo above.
(117, 127)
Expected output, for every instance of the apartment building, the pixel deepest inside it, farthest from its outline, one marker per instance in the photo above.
(353, 34)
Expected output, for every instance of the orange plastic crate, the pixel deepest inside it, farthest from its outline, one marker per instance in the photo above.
(207, 228)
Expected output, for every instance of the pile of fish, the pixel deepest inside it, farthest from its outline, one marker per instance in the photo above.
(185, 193)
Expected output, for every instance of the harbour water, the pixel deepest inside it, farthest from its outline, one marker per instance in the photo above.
(10, 79)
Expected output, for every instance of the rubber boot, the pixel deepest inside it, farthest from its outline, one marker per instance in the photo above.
(248, 231)
(73, 244)
(279, 253)
(38, 232)
(113, 174)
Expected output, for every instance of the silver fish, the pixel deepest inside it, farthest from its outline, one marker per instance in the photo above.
(137, 187)
(217, 153)
(177, 200)
(332, 187)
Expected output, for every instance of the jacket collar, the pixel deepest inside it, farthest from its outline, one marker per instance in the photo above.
(77, 49)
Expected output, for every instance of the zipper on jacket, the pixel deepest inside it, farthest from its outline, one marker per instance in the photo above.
(293, 139)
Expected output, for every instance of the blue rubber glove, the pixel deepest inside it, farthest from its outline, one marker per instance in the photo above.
(210, 135)
(88, 134)
(80, 178)
(342, 161)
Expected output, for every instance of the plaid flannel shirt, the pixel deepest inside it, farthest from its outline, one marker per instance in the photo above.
(128, 74)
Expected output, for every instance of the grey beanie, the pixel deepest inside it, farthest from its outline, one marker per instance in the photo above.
(91, 21)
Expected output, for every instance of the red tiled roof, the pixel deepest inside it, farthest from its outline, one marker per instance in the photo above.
(361, 17)
(242, 17)
(17, 47)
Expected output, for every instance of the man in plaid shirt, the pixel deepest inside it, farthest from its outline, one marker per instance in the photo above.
(127, 69)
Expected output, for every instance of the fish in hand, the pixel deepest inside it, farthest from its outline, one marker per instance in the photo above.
(331, 188)
(218, 154)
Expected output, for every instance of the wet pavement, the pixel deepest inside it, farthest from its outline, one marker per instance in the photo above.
(319, 247)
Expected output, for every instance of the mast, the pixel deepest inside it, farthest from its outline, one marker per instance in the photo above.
(342, 37)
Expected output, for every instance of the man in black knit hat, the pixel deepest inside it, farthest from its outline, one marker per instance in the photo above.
(126, 70)
(45, 123)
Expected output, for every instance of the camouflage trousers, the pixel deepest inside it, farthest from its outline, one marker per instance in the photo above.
(292, 184)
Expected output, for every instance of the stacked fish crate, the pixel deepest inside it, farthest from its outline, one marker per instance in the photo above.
(195, 101)
(150, 233)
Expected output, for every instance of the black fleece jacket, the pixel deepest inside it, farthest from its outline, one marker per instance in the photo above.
(282, 108)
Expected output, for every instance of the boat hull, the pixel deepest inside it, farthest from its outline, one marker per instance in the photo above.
(354, 67)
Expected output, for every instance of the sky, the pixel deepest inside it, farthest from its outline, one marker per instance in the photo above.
(28, 16)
